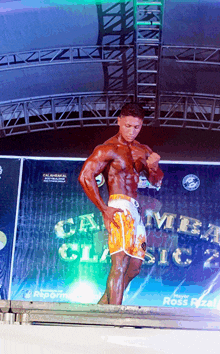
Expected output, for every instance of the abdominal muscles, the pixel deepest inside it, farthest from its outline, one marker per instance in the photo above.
(123, 183)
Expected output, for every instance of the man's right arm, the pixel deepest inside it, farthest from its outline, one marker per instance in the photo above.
(92, 167)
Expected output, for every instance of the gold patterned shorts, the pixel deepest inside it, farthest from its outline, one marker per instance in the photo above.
(131, 236)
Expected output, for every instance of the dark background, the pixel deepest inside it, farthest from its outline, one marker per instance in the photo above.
(171, 144)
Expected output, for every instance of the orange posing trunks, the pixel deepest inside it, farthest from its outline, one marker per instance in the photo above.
(131, 236)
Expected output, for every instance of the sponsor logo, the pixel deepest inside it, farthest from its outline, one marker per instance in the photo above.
(185, 300)
(3, 240)
(50, 294)
(100, 180)
(54, 177)
(191, 182)
(27, 294)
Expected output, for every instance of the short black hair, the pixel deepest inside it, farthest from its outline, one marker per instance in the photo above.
(132, 109)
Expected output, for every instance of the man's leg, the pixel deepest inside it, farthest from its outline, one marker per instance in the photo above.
(104, 299)
(115, 283)
(133, 269)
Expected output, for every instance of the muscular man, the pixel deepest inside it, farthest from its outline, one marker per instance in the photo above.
(121, 159)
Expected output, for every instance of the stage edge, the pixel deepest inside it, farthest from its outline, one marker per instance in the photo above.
(32, 313)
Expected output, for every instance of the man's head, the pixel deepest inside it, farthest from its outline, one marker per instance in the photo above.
(132, 109)
(130, 121)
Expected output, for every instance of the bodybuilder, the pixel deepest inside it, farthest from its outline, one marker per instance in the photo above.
(121, 159)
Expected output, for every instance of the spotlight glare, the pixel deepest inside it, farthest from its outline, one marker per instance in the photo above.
(84, 292)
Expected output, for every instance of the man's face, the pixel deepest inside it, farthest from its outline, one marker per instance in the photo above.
(129, 127)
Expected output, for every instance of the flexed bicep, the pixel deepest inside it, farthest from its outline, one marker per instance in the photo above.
(95, 163)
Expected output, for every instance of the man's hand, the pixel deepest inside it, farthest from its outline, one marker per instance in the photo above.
(152, 161)
(108, 216)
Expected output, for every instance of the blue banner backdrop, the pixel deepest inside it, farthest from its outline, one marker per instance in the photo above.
(61, 252)
(9, 178)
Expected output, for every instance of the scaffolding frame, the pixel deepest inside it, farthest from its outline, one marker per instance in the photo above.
(129, 46)
(189, 110)
(64, 55)
(192, 54)
(179, 110)
(148, 15)
(116, 28)
(73, 110)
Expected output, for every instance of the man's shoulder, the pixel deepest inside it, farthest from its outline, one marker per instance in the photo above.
(106, 149)
(108, 144)
(111, 142)
(144, 147)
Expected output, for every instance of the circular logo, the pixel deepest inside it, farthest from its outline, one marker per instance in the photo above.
(3, 240)
(100, 180)
(191, 182)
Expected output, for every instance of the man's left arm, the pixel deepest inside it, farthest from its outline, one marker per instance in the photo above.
(155, 174)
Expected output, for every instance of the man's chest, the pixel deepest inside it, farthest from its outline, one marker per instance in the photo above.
(138, 153)
(127, 158)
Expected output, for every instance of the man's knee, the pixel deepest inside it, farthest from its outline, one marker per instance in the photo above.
(133, 270)
(120, 262)
(133, 273)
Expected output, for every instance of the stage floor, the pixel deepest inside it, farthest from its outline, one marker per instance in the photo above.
(43, 313)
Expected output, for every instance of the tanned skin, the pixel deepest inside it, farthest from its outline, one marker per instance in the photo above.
(121, 159)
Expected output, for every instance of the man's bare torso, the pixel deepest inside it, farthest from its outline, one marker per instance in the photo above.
(122, 172)
(120, 159)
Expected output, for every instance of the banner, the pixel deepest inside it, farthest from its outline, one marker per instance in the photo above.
(9, 178)
(61, 251)
(57, 256)
(182, 220)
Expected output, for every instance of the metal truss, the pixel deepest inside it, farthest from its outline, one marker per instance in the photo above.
(190, 54)
(187, 110)
(116, 22)
(148, 27)
(114, 49)
(60, 111)
(116, 27)
(65, 55)
(179, 110)
(129, 48)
